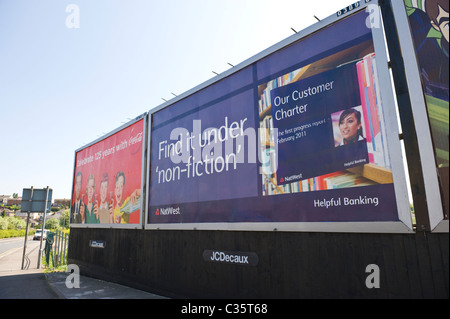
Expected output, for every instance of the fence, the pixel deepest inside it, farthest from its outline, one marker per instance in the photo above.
(56, 247)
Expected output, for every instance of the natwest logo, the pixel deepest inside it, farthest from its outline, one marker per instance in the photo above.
(168, 211)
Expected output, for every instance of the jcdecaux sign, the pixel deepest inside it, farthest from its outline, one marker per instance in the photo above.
(239, 258)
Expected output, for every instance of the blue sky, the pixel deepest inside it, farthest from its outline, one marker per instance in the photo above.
(61, 88)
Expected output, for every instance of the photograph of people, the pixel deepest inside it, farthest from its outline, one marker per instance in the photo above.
(103, 209)
(91, 215)
(76, 216)
(119, 208)
(350, 127)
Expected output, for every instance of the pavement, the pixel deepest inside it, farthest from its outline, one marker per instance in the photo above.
(33, 283)
(91, 288)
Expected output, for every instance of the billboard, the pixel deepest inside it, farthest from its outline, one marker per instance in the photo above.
(428, 22)
(300, 137)
(108, 179)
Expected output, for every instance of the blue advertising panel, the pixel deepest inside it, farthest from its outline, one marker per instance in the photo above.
(295, 136)
(302, 113)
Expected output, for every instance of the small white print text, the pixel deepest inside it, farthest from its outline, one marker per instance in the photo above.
(346, 201)
(244, 308)
(221, 256)
(352, 163)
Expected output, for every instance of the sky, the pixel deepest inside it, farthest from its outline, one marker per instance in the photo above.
(65, 82)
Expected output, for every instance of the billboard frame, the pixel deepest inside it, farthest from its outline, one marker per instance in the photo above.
(434, 202)
(144, 117)
(403, 225)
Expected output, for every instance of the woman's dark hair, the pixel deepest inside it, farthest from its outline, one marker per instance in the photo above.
(357, 114)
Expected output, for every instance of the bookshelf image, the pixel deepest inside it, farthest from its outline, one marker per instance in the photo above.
(377, 171)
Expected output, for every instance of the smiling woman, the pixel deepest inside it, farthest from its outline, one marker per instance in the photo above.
(350, 126)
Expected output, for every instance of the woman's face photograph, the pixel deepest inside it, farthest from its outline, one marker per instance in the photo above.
(349, 127)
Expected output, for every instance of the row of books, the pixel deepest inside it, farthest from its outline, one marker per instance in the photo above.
(372, 111)
(265, 99)
(266, 133)
(268, 161)
(341, 179)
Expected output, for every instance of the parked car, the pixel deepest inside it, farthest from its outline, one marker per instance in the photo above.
(38, 234)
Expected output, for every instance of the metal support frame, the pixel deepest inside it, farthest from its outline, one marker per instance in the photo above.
(406, 118)
(26, 230)
(43, 226)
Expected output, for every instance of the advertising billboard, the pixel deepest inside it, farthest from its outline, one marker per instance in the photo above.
(428, 22)
(302, 136)
(108, 179)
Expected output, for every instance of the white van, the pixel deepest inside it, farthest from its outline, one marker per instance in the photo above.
(38, 234)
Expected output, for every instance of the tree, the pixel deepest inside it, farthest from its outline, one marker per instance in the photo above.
(52, 223)
(64, 220)
(3, 223)
(16, 223)
(12, 223)
(15, 195)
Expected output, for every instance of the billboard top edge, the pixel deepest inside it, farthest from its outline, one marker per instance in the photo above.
(359, 5)
(131, 122)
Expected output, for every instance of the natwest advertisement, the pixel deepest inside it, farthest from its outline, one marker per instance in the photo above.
(296, 137)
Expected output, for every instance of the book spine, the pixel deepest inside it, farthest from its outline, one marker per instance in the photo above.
(384, 145)
(372, 100)
(365, 108)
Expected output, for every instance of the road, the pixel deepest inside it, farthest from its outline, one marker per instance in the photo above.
(10, 243)
(14, 245)
(15, 283)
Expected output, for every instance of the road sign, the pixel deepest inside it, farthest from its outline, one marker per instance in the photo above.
(35, 200)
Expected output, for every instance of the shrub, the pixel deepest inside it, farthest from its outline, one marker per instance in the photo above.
(16, 223)
(7, 233)
(12, 227)
(52, 223)
(4, 223)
